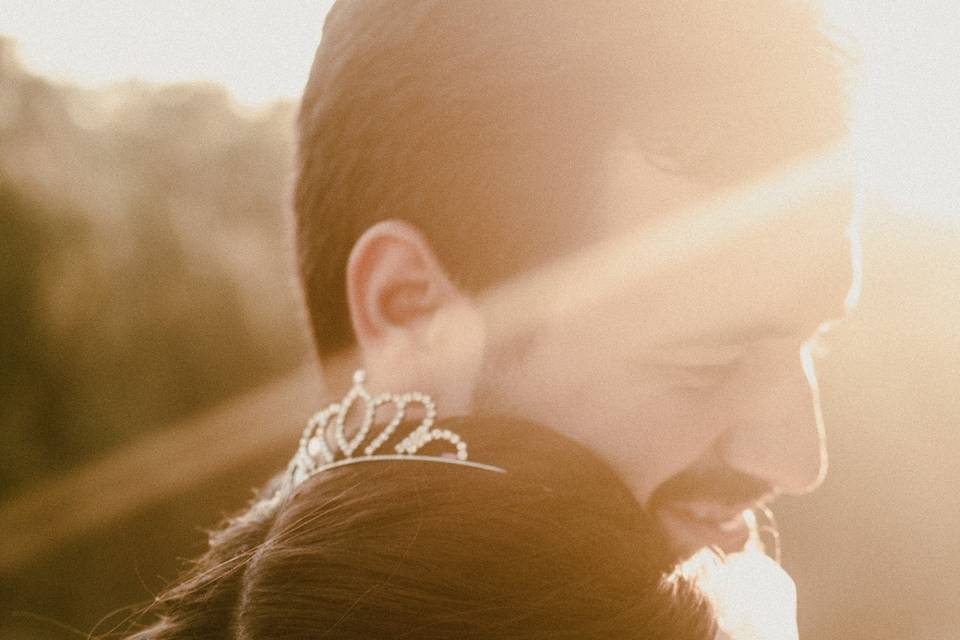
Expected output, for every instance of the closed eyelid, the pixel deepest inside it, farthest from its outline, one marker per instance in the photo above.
(699, 376)
(697, 355)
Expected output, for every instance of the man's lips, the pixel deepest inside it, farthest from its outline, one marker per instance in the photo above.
(691, 526)
(704, 507)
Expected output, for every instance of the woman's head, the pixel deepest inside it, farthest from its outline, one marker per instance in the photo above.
(555, 547)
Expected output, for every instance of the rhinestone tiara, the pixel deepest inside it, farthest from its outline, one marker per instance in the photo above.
(325, 443)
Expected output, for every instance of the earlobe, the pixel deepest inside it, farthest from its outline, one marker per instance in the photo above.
(394, 284)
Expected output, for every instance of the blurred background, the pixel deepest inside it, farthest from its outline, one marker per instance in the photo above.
(154, 365)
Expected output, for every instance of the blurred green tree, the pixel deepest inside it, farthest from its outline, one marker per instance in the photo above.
(35, 389)
(144, 273)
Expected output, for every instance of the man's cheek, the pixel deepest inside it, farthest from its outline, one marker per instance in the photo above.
(681, 424)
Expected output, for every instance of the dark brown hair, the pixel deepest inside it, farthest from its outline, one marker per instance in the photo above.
(483, 123)
(554, 548)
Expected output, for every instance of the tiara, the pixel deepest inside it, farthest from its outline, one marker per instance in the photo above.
(325, 443)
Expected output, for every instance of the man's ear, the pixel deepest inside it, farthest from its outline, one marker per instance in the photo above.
(395, 285)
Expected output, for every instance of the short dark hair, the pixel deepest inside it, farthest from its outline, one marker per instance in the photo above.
(556, 547)
(483, 123)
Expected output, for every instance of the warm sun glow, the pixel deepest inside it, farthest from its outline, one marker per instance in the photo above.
(752, 596)
(907, 125)
(157, 274)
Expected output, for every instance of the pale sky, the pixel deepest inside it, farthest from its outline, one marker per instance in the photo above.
(260, 50)
(909, 102)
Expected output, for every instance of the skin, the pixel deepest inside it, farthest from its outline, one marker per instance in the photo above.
(693, 377)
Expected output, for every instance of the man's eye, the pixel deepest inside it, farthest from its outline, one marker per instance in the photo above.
(703, 377)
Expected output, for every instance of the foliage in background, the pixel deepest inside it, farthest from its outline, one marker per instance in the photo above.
(144, 262)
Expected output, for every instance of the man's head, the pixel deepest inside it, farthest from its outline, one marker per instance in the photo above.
(449, 147)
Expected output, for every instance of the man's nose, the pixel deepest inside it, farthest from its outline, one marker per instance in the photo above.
(779, 433)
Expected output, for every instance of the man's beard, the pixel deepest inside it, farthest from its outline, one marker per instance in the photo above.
(723, 504)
